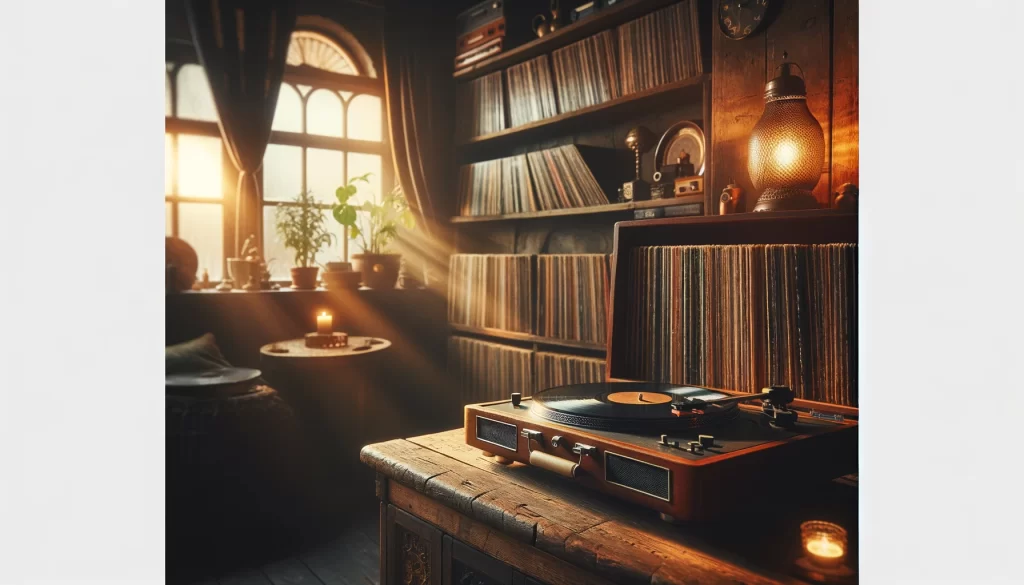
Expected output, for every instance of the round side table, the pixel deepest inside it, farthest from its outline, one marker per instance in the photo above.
(335, 393)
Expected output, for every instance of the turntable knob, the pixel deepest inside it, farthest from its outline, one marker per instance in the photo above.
(668, 442)
(706, 441)
(696, 447)
(558, 441)
(517, 397)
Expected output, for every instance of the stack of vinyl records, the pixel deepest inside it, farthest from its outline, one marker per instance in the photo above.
(481, 106)
(488, 371)
(563, 179)
(586, 72)
(496, 187)
(531, 96)
(660, 48)
(745, 316)
(491, 290)
(556, 369)
(572, 296)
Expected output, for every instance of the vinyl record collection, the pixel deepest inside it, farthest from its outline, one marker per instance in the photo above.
(496, 187)
(488, 371)
(586, 72)
(563, 179)
(560, 177)
(746, 316)
(661, 47)
(556, 369)
(491, 290)
(481, 106)
(531, 96)
(572, 296)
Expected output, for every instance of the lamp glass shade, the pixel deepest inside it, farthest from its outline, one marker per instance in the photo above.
(786, 150)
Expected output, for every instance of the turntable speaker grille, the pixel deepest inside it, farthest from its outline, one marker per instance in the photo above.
(497, 433)
(646, 478)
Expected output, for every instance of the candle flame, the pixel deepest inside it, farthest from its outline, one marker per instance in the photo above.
(823, 547)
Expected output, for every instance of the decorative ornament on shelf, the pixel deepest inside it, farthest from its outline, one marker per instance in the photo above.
(739, 19)
(787, 146)
(846, 197)
(639, 140)
(542, 24)
(730, 199)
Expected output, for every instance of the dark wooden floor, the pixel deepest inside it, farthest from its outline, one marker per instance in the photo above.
(351, 558)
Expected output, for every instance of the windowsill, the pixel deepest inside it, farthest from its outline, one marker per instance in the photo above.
(286, 289)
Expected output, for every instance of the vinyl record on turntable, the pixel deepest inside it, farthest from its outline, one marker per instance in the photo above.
(629, 406)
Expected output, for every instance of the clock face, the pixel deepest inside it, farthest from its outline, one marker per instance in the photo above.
(740, 18)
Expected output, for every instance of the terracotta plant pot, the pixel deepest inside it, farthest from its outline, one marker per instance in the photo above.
(380, 271)
(342, 279)
(337, 267)
(304, 278)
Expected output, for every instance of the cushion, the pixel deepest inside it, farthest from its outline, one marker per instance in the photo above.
(195, 356)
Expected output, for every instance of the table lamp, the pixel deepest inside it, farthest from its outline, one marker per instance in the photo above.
(787, 146)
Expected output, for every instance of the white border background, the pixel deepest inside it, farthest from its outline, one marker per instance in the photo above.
(81, 312)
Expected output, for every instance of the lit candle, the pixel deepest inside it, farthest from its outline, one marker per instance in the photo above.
(825, 549)
(324, 323)
(824, 542)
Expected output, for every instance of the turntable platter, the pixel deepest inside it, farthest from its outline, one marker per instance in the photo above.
(621, 406)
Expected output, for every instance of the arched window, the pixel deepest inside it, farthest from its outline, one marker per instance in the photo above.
(328, 126)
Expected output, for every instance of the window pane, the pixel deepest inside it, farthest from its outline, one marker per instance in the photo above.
(168, 164)
(281, 259)
(168, 109)
(359, 164)
(334, 251)
(356, 246)
(282, 172)
(202, 226)
(288, 115)
(364, 118)
(324, 173)
(168, 224)
(200, 167)
(323, 113)
(195, 101)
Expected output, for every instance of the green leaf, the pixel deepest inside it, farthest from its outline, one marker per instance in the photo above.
(344, 193)
(345, 215)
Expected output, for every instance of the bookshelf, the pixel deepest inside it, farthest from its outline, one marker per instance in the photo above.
(490, 334)
(608, 18)
(688, 90)
(683, 94)
(596, 209)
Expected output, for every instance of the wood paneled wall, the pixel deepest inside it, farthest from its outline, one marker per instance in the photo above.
(821, 37)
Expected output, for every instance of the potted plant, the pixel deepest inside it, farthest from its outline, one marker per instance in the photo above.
(302, 228)
(375, 232)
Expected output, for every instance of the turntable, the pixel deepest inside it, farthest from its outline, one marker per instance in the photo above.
(690, 453)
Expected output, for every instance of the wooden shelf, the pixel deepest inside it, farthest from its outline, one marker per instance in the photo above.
(594, 209)
(609, 17)
(619, 109)
(527, 337)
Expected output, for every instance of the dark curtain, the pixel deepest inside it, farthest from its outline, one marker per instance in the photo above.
(418, 63)
(243, 46)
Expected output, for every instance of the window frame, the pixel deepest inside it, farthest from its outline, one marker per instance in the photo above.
(175, 126)
(365, 83)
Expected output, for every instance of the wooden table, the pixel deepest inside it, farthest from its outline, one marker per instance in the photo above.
(448, 510)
